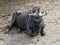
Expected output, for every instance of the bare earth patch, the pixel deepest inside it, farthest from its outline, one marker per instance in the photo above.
(52, 22)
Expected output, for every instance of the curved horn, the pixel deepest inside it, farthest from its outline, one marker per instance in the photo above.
(42, 13)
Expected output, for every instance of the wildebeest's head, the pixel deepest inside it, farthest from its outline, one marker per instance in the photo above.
(37, 18)
(37, 12)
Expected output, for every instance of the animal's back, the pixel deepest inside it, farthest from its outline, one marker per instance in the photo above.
(21, 21)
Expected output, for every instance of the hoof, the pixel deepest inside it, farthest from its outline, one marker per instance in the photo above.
(6, 32)
(31, 35)
(42, 34)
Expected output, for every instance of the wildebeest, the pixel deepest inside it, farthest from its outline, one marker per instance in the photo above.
(29, 21)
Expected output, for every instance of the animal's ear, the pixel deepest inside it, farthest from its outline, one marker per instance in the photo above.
(42, 13)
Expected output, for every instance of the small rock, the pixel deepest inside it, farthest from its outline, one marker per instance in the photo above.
(37, 39)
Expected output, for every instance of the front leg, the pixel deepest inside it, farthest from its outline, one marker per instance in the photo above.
(42, 32)
(29, 31)
(41, 29)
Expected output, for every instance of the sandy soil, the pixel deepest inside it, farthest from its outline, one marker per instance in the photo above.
(52, 22)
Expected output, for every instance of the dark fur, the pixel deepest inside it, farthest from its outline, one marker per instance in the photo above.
(30, 24)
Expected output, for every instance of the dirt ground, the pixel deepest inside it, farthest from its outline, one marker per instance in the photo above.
(52, 22)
